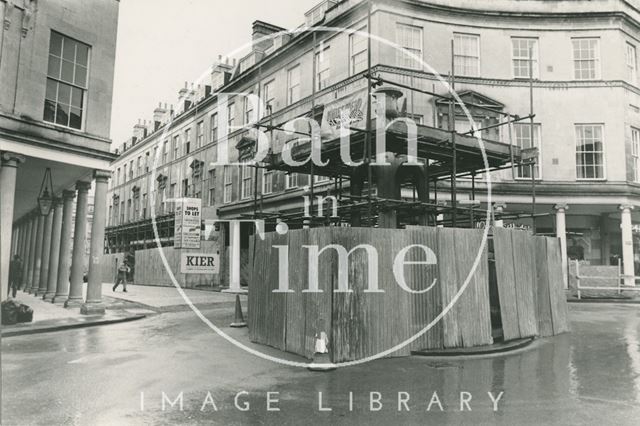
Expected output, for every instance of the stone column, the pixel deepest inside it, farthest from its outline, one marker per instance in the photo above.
(561, 233)
(79, 238)
(8, 172)
(46, 251)
(498, 208)
(62, 281)
(20, 248)
(54, 250)
(15, 237)
(37, 255)
(93, 304)
(627, 245)
(234, 253)
(26, 252)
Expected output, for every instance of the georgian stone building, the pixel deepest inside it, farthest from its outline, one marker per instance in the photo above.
(586, 101)
(56, 68)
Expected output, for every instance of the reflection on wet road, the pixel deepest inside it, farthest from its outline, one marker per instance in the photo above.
(117, 374)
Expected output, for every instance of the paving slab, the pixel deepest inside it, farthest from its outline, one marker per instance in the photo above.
(166, 297)
(49, 317)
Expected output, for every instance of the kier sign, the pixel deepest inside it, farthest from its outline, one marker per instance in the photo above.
(199, 263)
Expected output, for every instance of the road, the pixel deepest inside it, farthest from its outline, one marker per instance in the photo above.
(117, 375)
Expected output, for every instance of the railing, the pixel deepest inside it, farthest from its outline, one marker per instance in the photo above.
(620, 278)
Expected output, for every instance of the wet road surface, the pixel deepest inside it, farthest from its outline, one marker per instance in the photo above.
(117, 374)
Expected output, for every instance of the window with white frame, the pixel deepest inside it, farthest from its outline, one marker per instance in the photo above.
(124, 173)
(586, 58)
(66, 90)
(214, 128)
(358, 51)
(228, 184)
(323, 68)
(139, 166)
(321, 179)
(291, 180)
(466, 54)
(231, 115)
(268, 94)
(200, 134)
(246, 181)
(635, 153)
(409, 37)
(522, 134)
(589, 151)
(187, 141)
(293, 84)
(248, 111)
(524, 52)
(632, 64)
(212, 187)
(267, 181)
(176, 147)
(131, 169)
(165, 151)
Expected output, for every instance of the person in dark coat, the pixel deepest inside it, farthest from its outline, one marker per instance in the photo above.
(123, 270)
(15, 275)
(131, 263)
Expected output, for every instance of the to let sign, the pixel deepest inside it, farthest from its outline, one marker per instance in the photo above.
(199, 263)
(187, 223)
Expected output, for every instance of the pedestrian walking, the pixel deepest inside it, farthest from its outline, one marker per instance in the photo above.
(15, 275)
(123, 271)
(130, 258)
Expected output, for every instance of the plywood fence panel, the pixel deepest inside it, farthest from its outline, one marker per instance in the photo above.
(505, 275)
(318, 305)
(559, 311)
(275, 303)
(525, 273)
(151, 270)
(447, 270)
(256, 310)
(348, 328)
(425, 307)
(391, 310)
(543, 298)
(473, 312)
(360, 324)
(298, 281)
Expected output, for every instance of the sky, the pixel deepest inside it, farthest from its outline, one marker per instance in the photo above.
(163, 43)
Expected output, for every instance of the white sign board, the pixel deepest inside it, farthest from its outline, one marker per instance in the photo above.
(187, 223)
(347, 112)
(199, 263)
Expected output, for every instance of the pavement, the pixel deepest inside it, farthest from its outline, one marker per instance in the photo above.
(138, 302)
(167, 299)
(121, 374)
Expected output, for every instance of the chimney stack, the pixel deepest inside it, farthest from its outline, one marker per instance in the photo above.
(159, 116)
(139, 132)
(259, 35)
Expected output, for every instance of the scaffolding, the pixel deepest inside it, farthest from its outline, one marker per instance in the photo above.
(448, 155)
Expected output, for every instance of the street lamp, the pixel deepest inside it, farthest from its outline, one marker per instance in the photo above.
(45, 197)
